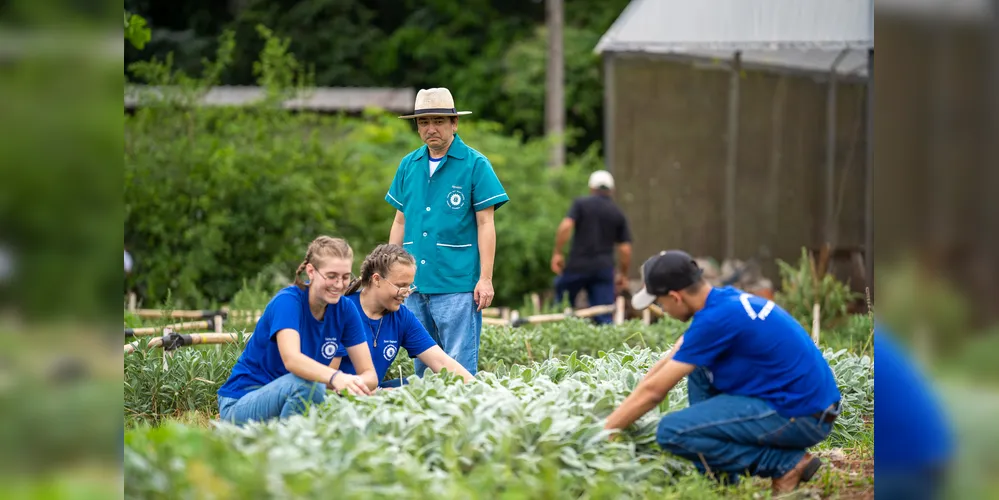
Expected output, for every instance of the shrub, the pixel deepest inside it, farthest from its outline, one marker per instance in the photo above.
(216, 194)
(800, 290)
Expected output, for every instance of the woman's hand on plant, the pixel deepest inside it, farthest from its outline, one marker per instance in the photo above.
(352, 383)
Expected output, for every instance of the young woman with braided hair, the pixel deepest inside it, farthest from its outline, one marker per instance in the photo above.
(387, 279)
(296, 348)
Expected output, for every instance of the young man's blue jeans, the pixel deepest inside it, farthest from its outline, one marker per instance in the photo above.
(599, 286)
(734, 435)
(285, 396)
(453, 322)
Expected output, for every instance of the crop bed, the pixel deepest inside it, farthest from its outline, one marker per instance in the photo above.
(525, 431)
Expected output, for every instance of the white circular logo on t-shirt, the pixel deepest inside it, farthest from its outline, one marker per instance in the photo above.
(389, 352)
(455, 199)
(329, 349)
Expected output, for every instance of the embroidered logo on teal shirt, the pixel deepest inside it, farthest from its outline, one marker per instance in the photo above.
(456, 199)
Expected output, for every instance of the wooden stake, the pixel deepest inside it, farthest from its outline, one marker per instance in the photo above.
(153, 330)
(218, 329)
(647, 316)
(619, 311)
(815, 323)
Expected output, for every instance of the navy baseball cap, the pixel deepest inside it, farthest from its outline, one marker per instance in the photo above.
(667, 271)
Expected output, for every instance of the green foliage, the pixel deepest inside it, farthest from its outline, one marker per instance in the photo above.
(537, 428)
(923, 307)
(976, 359)
(192, 376)
(216, 194)
(800, 290)
(60, 194)
(488, 53)
(852, 333)
(525, 67)
(136, 31)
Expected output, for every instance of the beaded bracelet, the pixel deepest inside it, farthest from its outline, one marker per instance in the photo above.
(330, 383)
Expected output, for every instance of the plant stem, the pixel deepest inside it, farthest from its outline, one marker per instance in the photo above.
(870, 314)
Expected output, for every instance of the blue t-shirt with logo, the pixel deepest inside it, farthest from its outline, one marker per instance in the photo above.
(260, 363)
(398, 329)
(754, 348)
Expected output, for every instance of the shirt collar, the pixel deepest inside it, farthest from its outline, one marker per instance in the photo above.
(458, 149)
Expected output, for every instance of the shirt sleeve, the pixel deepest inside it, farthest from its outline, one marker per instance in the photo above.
(414, 337)
(353, 329)
(487, 190)
(703, 343)
(395, 196)
(623, 231)
(574, 210)
(286, 310)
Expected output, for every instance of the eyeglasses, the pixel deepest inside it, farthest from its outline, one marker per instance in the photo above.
(345, 279)
(402, 292)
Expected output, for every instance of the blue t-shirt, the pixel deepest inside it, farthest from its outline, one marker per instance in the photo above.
(754, 348)
(398, 329)
(260, 363)
(910, 429)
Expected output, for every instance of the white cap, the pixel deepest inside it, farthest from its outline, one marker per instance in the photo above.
(601, 179)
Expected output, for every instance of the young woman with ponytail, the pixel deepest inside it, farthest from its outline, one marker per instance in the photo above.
(387, 279)
(297, 346)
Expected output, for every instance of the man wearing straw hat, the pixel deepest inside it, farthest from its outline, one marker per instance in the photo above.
(445, 194)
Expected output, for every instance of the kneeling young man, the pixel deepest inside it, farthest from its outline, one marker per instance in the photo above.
(760, 391)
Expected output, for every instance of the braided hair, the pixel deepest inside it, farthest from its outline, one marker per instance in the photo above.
(323, 247)
(380, 261)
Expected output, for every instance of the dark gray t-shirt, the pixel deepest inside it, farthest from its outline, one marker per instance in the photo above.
(600, 225)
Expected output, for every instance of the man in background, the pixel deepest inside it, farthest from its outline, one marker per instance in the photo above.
(600, 227)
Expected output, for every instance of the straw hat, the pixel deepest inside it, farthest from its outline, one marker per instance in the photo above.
(435, 102)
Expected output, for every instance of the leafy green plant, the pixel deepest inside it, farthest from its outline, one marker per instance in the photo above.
(136, 31)
(509, 433)
(191, 376)
(800, 290)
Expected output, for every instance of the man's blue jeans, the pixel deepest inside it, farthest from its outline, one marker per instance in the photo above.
(599, 286)
(285, 396)
(453, 322)
(734, 435)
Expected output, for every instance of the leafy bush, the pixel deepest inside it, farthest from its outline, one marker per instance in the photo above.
(216, 194)
(800, 290)
(538, 429)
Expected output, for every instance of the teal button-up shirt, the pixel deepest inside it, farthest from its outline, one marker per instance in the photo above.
(441, 231)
